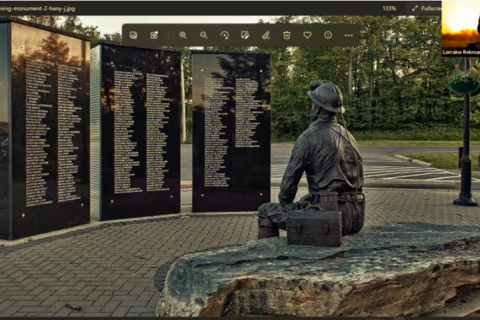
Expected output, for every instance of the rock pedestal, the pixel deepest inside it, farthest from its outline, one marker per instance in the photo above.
(406, 269)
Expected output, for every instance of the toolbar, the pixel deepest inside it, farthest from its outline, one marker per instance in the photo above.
(244, 35)
(213, 8)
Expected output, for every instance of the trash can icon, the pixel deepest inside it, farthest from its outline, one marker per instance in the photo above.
(286, 35)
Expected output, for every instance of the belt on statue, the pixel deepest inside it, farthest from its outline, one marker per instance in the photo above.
(344, 197)
(349, 197)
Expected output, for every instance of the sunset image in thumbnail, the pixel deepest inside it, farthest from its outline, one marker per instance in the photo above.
(461, 28)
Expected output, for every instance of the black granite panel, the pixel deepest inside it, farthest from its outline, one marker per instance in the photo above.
(231, 131)
(140, 132)
(50, 119)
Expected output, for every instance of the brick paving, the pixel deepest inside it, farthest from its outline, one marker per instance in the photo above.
(111, 270)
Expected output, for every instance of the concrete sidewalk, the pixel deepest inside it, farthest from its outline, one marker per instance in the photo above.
(117, 268)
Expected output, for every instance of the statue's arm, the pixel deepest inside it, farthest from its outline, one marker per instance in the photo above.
(295, 169)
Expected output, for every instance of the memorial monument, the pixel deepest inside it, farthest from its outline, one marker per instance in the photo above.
(44, 120)
(396, 270)
(135, 129)
(231, 131)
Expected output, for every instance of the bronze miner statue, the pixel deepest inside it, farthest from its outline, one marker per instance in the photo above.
(328, 154)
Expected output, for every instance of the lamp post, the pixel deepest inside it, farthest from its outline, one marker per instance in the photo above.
(465, 198)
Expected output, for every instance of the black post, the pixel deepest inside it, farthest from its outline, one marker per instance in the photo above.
(465, 198)
(460, 154)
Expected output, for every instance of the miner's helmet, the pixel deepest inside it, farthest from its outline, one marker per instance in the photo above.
(327, 95)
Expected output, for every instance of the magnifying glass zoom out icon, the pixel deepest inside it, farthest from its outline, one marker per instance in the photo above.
(203, 34)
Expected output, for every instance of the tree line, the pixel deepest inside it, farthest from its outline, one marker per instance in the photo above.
(396, 79)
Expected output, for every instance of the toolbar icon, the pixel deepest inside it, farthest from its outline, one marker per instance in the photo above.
(183, 35)
(286, 35)
(245, 35)
(307, 34)
(266, 35)
(154, 35)
(224, 34)
(328, 34)
(133, 35)
(203, 34)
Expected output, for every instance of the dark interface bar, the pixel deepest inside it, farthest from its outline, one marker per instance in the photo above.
(423, 8)
(277, 35)
(213, 8)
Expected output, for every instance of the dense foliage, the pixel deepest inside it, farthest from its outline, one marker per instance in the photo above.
(460, 75)
(396, 79)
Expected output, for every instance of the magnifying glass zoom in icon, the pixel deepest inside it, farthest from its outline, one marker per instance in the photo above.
(183, 35)
(203, 34)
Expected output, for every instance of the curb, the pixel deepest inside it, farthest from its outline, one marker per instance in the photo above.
(398, 156)
(373, 183)
(390, 183)
(421, 163)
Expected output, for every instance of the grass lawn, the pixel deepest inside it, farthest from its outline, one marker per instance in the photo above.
(444, 160)
(433, 134)
(398, 143)
(440, 136)
(413, 143)
(391, 143)
(435, 137)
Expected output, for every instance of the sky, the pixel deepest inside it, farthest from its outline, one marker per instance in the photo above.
(111, 24)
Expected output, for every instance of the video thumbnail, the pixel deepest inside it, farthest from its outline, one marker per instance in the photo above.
(461, 28)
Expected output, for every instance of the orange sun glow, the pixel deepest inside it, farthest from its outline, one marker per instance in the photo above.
(460, 15)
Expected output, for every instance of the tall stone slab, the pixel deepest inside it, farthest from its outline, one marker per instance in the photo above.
(135, 130)
(44, 120)
(231, 131)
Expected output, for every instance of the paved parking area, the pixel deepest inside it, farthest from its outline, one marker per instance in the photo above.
(111, 270)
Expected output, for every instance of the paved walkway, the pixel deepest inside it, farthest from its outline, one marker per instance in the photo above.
(111, 269)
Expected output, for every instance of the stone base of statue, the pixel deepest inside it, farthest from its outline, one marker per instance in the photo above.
(406, 269)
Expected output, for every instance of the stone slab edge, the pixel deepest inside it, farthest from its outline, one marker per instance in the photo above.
(95, 224)
(463, 306)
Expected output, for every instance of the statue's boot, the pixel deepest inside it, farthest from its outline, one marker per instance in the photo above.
(264, 232)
